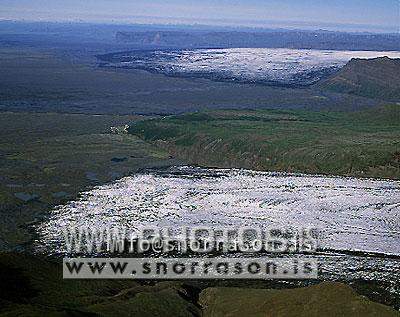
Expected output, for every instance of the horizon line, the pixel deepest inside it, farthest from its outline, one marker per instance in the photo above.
(228, 23)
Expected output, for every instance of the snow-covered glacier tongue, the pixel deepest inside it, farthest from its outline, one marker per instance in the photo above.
(350, 214)
(274, 66)
(357, 219)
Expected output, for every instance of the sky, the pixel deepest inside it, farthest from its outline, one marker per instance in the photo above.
(362, 15)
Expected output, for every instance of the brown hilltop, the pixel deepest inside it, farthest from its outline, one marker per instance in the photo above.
(377, 78)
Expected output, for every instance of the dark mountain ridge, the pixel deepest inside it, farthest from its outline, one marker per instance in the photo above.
(272, 39)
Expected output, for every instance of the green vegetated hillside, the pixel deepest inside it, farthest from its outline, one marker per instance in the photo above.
(358, 144)
(376, 78)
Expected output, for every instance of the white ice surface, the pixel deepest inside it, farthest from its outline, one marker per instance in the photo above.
(351, 214)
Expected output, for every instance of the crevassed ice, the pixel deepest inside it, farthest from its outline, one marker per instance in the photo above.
(351, 214)
(277, 65)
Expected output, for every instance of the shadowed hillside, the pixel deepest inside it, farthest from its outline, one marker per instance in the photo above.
(38, 289)
(325, 299)
(376, 78)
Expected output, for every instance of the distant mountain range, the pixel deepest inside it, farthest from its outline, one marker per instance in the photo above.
(268, 39)
(377, 78)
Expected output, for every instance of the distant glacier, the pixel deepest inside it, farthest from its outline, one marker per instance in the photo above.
(273, 66)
